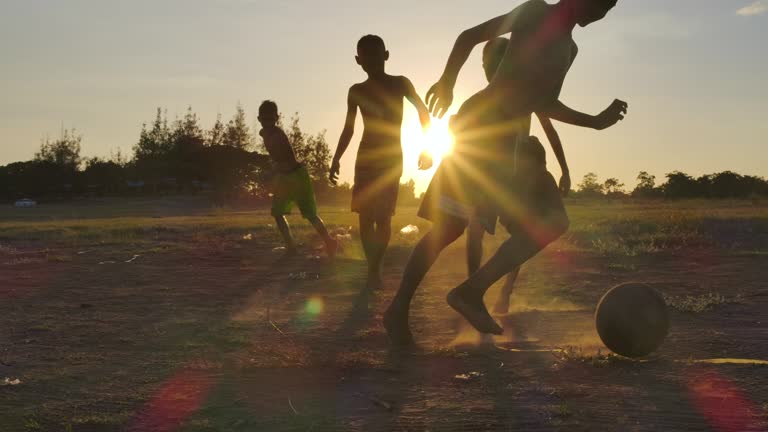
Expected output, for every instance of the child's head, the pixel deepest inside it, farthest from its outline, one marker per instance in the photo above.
(493, 53)
(268, 115)
(586, 12)
(371, 54)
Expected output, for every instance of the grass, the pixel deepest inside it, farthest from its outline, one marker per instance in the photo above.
(639, 228)
(700, 303)
(611, 229)
(578, 355)
(77, 338)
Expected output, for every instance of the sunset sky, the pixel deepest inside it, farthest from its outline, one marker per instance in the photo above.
(693, 71)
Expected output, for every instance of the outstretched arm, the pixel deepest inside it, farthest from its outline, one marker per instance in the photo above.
(440, 95)
(557, 147)
(609, 117)
(425, 158)
(415, 100)
(346, 137)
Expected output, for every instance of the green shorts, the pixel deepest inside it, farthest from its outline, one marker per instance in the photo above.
(294, 187)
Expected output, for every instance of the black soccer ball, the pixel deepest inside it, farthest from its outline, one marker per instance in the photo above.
(632, 320)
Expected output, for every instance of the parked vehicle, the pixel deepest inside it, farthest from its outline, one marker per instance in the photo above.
(25, 202)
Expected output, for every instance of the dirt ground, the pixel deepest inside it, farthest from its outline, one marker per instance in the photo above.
(183, 329)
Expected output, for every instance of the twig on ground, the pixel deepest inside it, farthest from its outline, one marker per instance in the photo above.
(377, 401)
(290, 404)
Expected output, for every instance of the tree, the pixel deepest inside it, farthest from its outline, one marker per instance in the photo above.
(64, 152)
(231, 170)
(407, 193)
(215, 136)
(151, 155)
(188, 141)
(646, 185)
(237, 133)
(681, 185)
(311, 150)
(103, 176)
(645, 180)
(590, 186)
(154, 143)
(56, 165)
(188, 130)
(612, 186)
(727, 184)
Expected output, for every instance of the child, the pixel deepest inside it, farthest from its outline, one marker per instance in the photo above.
(291, 184)
(379, 162)
(493, 53)
(477, 179)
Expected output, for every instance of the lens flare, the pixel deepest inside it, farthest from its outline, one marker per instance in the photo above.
(724, 404)
(314, 306)
(437, 140)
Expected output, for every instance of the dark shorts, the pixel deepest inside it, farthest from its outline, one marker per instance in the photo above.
(375, 189)
(292, 188)
(497, 176)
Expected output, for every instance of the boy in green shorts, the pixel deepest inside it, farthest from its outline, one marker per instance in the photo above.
(291, 184)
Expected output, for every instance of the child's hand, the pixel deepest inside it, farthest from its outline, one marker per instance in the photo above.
(612, 115)
(425, 160)
(333, 177)
(439, 98)
(426, 122)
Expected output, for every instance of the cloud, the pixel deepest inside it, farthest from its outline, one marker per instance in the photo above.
(756, 8)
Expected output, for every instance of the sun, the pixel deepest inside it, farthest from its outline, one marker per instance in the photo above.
(437, 140)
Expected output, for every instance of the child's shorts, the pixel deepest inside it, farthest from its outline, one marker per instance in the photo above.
(292, 188)
(376, 189)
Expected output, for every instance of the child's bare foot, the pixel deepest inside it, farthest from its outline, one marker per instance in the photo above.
(290, 252)
(397, 329)
(475, 313)
(331, 247)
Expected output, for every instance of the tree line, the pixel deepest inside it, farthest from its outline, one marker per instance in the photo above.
(228, 162)
(678, 185)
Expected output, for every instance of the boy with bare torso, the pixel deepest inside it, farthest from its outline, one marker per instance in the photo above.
(478, 180)
(379, 163)
(292, 184)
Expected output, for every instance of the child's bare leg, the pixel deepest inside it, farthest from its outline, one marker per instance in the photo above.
(330, 244)
(423, 256)
(285, 232)
(475, 233)
(502, 304)
(369, 239)
(383, 236)
(467, 298)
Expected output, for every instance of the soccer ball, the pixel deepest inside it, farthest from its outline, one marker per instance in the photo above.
(632, 320)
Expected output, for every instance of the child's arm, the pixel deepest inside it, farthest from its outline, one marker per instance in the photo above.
(609, 117)
(440, 95)
(425, 158)
(413, 98)
(346, 136)
(557, 147)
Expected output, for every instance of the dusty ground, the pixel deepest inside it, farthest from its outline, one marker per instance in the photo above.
(203, 331)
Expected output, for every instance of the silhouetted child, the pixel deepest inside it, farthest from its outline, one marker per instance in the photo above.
(477, 179)
(529, 155)
(292, 183)
(379, 164)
